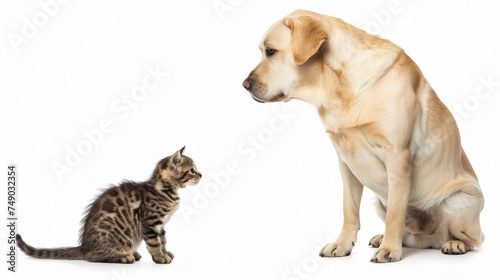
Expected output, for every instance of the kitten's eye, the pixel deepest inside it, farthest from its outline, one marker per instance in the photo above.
(192, 171)
(270, 52)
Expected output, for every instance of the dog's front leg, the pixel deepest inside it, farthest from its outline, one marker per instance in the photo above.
(399, 182)
(353, 190)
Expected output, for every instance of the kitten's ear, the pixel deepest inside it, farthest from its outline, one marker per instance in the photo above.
(182, 149)
(176, 158)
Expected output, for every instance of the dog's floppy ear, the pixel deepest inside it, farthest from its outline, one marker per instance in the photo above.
(306, 36)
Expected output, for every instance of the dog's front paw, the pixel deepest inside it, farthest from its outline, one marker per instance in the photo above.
(336, 250)
(386, 254)
(162, 258)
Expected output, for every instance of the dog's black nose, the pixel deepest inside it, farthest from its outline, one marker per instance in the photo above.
(247, 84)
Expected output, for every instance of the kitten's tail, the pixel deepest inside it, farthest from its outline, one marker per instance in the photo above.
(69, 253)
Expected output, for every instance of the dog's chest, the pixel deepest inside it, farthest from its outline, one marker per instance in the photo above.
(363, 156)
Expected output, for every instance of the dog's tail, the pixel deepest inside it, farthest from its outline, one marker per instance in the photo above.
(68, 253)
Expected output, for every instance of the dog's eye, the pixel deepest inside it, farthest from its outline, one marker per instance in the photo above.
(192, 171)
(270, 52)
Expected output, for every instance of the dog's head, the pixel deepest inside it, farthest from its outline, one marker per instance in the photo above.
(289, 57)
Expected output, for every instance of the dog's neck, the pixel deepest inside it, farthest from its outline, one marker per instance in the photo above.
(352, 62)
(346, 70)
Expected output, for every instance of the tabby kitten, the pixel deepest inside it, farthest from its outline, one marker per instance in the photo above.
(123, 215)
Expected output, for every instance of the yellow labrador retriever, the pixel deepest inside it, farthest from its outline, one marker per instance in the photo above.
(391, 132)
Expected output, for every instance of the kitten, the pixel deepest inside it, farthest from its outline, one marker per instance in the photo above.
(123, 215)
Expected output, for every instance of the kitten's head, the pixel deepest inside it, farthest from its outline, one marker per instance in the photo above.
(177, 170)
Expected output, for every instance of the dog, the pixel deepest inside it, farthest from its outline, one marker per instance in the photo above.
(390, 130)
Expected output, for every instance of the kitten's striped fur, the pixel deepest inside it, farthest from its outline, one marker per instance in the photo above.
(117, 221)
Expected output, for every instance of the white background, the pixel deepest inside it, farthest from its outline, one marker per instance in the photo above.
(285, 201)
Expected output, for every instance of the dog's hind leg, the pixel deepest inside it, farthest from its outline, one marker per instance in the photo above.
(462, 210)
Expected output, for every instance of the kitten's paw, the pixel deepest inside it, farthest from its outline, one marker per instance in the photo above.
(137, 256)
(386, 254)
(336, 250)
(127, 259)
(170, 254)
(162, 258)
(455, 247)
(376, 240)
